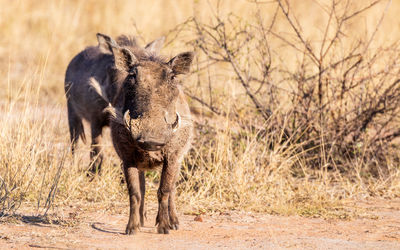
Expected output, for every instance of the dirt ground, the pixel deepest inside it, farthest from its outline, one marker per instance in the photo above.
(94, 228)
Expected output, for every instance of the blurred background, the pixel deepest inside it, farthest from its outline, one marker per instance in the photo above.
(52, 32)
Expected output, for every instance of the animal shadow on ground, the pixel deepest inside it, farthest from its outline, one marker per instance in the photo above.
(46, 247)
(36, 220)
(107, 229)
(102, 228)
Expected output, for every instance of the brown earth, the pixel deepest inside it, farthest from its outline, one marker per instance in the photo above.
(93, 228)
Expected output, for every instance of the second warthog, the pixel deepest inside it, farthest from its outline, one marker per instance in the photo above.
(137, 93)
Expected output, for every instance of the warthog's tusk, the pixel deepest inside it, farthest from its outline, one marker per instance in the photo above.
(127, 119)
(177, 122)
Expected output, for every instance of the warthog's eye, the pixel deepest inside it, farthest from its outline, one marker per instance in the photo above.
(172, 75)
(133, 73)
(168, 74)
(136, 115)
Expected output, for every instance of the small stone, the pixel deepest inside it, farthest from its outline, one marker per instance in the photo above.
(198, 218)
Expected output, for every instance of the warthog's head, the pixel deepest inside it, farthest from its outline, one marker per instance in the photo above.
(147, 91)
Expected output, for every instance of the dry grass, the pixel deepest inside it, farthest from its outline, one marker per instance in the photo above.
(229, 167)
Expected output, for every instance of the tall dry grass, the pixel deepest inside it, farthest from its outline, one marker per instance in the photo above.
(229, 167)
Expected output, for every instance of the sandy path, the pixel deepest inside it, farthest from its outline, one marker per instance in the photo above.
(235, 230)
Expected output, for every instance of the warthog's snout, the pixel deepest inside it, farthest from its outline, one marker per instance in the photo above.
(150, 144)
(140, 128)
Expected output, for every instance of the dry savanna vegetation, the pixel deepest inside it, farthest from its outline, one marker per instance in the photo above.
(296, 103)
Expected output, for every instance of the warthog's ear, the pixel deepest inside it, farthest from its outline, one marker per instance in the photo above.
(180, 64)
(124, 59)
(105, 43)
(155, 46)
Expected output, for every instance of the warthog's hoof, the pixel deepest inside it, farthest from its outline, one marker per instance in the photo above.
(174, 226)
(131, 230)
(163, 230)
(173, 222)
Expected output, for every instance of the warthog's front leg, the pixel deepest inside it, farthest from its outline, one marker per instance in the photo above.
(173, 217)
(167, 183)
(132, 181)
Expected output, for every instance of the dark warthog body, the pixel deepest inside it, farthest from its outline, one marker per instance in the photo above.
(90, 90)
(136, 93)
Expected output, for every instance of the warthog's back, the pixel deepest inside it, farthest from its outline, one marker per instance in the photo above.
(85, 80)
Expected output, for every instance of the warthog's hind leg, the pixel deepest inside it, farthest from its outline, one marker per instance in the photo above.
(142, 209)
(96, 157)
(75, 126)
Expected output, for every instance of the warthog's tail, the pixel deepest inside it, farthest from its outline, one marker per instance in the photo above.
(75, 126)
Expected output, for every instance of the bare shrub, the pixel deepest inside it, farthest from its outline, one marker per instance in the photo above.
(336, 98)
(288, 121)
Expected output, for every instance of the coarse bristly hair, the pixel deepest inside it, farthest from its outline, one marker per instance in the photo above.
(130, 42)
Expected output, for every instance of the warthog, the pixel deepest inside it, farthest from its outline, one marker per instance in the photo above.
(138, 94)
(89, 92)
